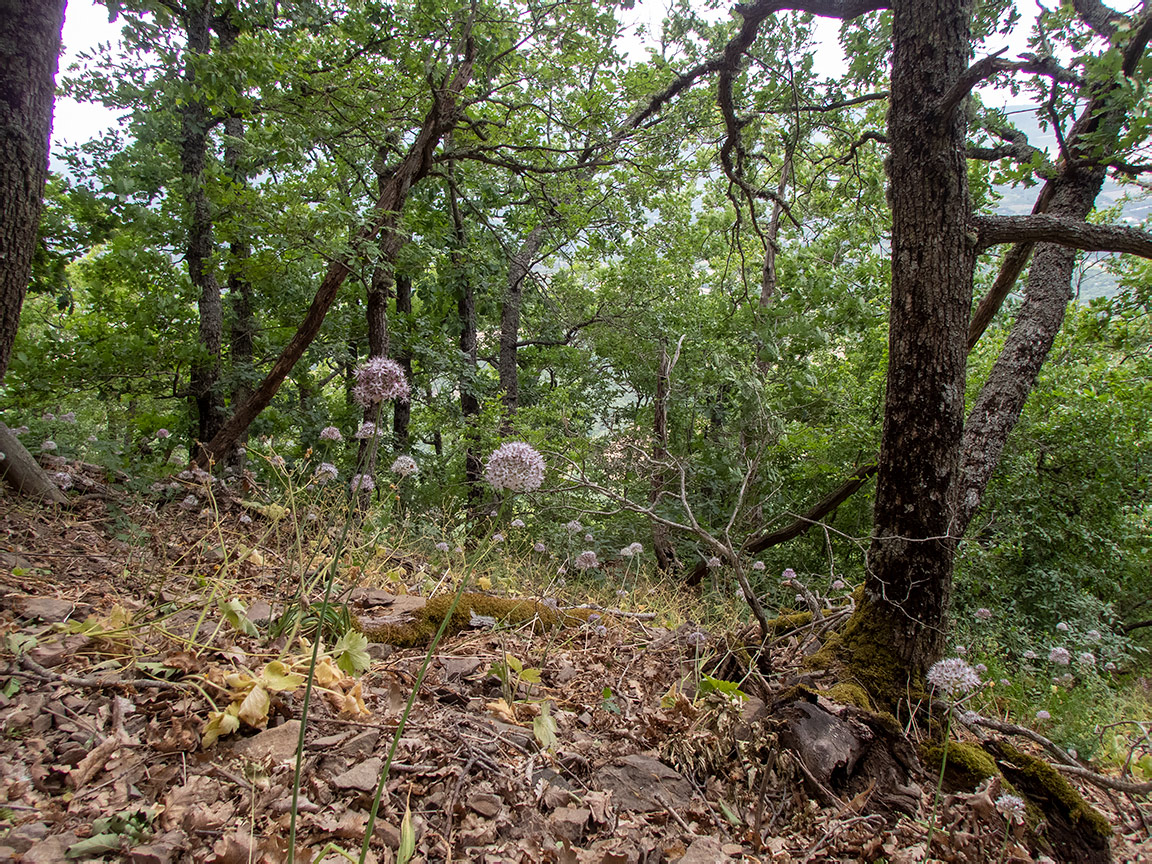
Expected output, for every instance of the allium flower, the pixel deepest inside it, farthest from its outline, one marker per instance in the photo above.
(984, 613)
(1011, 808)
(47, 416)
(1062, 627)
(981, 668)
(962, 650)
(588, 538)
(637, 548)
(697, 637)
(70, 417)
(953, 677)
(493, 513)
(245, 519)
(202, 476)
(621, 592)
(366, 431)
(600, 630)
(362, 483)
(190, 503)
(550, 602)
(20, 430)
(441, 546)
(1029, 654)
(1110, 666)
(63, 480)
(48, 445)
(1092, 635)
(574, 526)
(459, 550)
(538, 547)
(379, 379)
(405, 466)
(838, 585)
(1086, 658)
(713, 562)
(758, 566)
(593, 617)
(325, 473)
(1059, 656)
(517, 523)
(163, 433)
(586, 561)
(330, 433)
(788, 573)
(497, 538)
(626, 552)
(275, 460)
(515, 466)
(1043, 715)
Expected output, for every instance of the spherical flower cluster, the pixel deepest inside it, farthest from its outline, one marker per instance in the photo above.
(515, 466)
(325, 473)
(1062, 627)
(788, 574)
(1043, 715)
(586, 561)
(1092, 635)
(190, 503)
(953, 677)
(1086, 658)
(517, 523)
(1011, 808)
(48, 417)
(713, 562)
(838, 585)
(330, 433)
(497, 538)
(362, 483)
(588, 538)
(981, 668)
(163, 433)
(379, 379)
(48, 446)
(631, 550)
(1029, 654)
(574, 527)
(600, 630)
(70, 417)
(1110, 666)
(20, 430)
(245, 519)
(984, 613)
(758, 566)
(441, 546)
(405, 466)
(367, 430)
(538, 547)
(63, 480)
(962, 650)
(697, 637)
(1059, 656)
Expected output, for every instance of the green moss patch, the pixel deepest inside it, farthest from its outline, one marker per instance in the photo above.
(967, 765)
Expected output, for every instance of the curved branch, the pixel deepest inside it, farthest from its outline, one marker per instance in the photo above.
(993, 230)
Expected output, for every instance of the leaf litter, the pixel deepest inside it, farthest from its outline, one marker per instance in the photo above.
(151, 714)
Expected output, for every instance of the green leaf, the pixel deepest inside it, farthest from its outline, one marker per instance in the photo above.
(235, 614)
(407, 838)
(351, 652)
(730, 689)
(544, 728)
(95, 846)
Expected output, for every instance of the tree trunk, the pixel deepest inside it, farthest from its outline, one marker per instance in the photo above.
(518, 268)
(402, 410)
(239, 251)
(662, 544)
(29, 52)
(415, 165)
(195, 123)
(469, 402)
(20, 470)
(909, 580)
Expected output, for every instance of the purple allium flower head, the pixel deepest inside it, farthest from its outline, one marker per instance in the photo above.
(1110, 666)
(190, 503)
(325, 473)
(593, 617)
(497, 538)
(626, 552)
(515, 466)
(1011, 808)
(441, 546)
(63, 480)
(275, 460)
(953, 677)
(758, 566)
(538, 547)
(1043, 715)
(696, 637)
(47, 416)
(586, 561)
(48, 446)
(713, 562)
(600, 630)
(20, 430)
(330, 433)
(163, 433)
(245, 519)
(1092, 635)
(574, 527)
(981, 668)
(517, 523)
(637, 548)
(379, 379)
(1086, 658)
(788, 573)
(588, 538)
(1059, 656)
(405, 466)
(1062, 627)
(70, 417)
(367, 430)
(984, 613)
(1029, 654)
(962, 650)
(493, 513)
(362, 483)
(838, 585)
(621, 592)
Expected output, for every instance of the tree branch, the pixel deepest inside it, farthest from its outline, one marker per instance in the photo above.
(1101, 18)
(992, 230)
(989, 66)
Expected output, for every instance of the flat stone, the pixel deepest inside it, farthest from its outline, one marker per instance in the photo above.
(22, 837)
(362, 777)
(362, 746)
(162, 850)
(51, 609)
(50, 850)
(570, 823)
(636, 780)
(277, 744)
(704, 850)
(54, 653)
(259, 612)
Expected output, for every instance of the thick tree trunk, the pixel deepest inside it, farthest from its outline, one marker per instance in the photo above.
(20, 470)
(29, 51)
(415, 165)
(402, 410)
(195, 124)
(469, 402)
(518, 269)
(662, 545)
(909, 580)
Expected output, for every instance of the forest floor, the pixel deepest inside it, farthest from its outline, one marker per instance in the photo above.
(603, 747)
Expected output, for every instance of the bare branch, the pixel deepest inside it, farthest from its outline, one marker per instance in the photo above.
(992, 230)
(989, 66)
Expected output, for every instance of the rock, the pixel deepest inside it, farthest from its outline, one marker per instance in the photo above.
(635, 781)
(485, 803)
(50, 850)
(277, 745)
(162, 850)
(704, 850)
(363, 776)
(259, 612)
(570, 823)
(362, 746)
(54, 653)
(23, 837)
(51, 609)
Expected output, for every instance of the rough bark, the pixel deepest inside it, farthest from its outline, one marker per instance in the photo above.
(29, 51)
(415, 165)
(402, 411)
(20, 470)
(909, 579)
(662, 544)
(466, 312)
(518, 269)
(195, 125)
